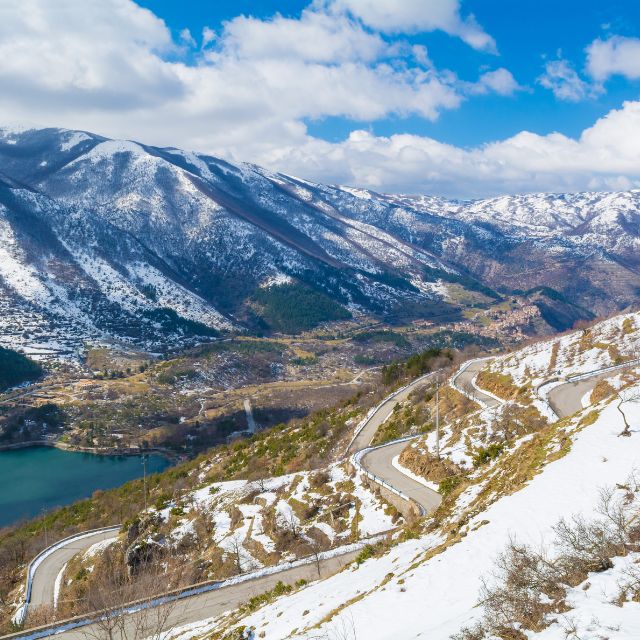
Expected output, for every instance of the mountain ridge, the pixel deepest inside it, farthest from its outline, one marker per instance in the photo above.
(116, 240)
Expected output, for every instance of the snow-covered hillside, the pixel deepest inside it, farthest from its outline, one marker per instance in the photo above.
(103, 239)
(608, 343)
(580, 471)
(234, 527)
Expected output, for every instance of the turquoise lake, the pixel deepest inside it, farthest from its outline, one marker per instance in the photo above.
(42, 478)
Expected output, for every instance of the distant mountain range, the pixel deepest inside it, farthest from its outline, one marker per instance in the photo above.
(106, 239)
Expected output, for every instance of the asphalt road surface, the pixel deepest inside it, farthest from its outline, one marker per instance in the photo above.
(465, 382)
(378, 462)
(227, 598)
(384, 411)
(207, 605)
(566, 399)
(45, 575)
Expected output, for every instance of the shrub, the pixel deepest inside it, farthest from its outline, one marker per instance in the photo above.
(529, 586)
(486, 454)
(446, 486)
(279, 590)
(367, 552)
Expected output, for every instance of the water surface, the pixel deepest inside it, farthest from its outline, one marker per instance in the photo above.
(41, 478)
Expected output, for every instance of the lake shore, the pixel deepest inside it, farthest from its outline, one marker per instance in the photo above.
(40, 477)
(65, 446)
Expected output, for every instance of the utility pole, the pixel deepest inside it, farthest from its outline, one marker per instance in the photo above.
(144, 479)
(438, 418)
(46, 533)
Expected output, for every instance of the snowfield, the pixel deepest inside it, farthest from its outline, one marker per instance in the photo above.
(436, 597)
(432, 584)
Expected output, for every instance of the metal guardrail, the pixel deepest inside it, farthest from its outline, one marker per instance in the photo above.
(357, 457)
(21, 614)
(576, 378)
(372, 412)
(544, 398)
(588, 374)
(464, 392)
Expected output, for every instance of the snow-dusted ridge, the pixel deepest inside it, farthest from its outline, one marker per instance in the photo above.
(203, 226)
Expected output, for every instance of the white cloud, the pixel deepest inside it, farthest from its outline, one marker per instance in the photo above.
(208, 36)
(615, 56)
(101, 65)
(499, 81)
(315, 37)
(109, 66)
(412, 16)
(605, 157)
(99, 53)
(561, 78)
(187, 38)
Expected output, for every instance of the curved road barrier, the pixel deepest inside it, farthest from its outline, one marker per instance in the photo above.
(565, 397)
(582, 376)
(425, 499)
(397, 395)
(41, 558)
(464, 381)
(210, 598)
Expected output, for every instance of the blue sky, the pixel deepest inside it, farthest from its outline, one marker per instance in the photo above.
(527, 34)
(461, 98)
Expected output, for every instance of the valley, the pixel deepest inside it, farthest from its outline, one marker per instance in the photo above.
(493, 440)
(347, 385)
(120, 400)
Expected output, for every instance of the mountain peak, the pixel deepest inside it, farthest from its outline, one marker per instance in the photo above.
(154, 246)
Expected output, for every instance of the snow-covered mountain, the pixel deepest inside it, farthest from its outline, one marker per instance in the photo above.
(113, 239)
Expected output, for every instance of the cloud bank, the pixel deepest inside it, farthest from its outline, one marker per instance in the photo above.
(247, 92)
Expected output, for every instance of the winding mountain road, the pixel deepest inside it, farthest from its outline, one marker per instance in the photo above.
(379, 462)
(566, 399)
(45, 575)
(194, 608)
(221, 597)
(465, 382)
(382, 413)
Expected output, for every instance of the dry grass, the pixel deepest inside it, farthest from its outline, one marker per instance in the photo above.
(500, 384)
(601, 391)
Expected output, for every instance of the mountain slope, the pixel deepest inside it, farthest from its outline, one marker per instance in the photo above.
(105, 239)
(578, 471)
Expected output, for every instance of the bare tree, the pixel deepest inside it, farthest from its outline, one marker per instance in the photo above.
(618, 513)
(128, 608)
(342, 629)
(315, 550)
(528, 585)
(626, 395)
(203, 524)
(236, 550)
(290, 522)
